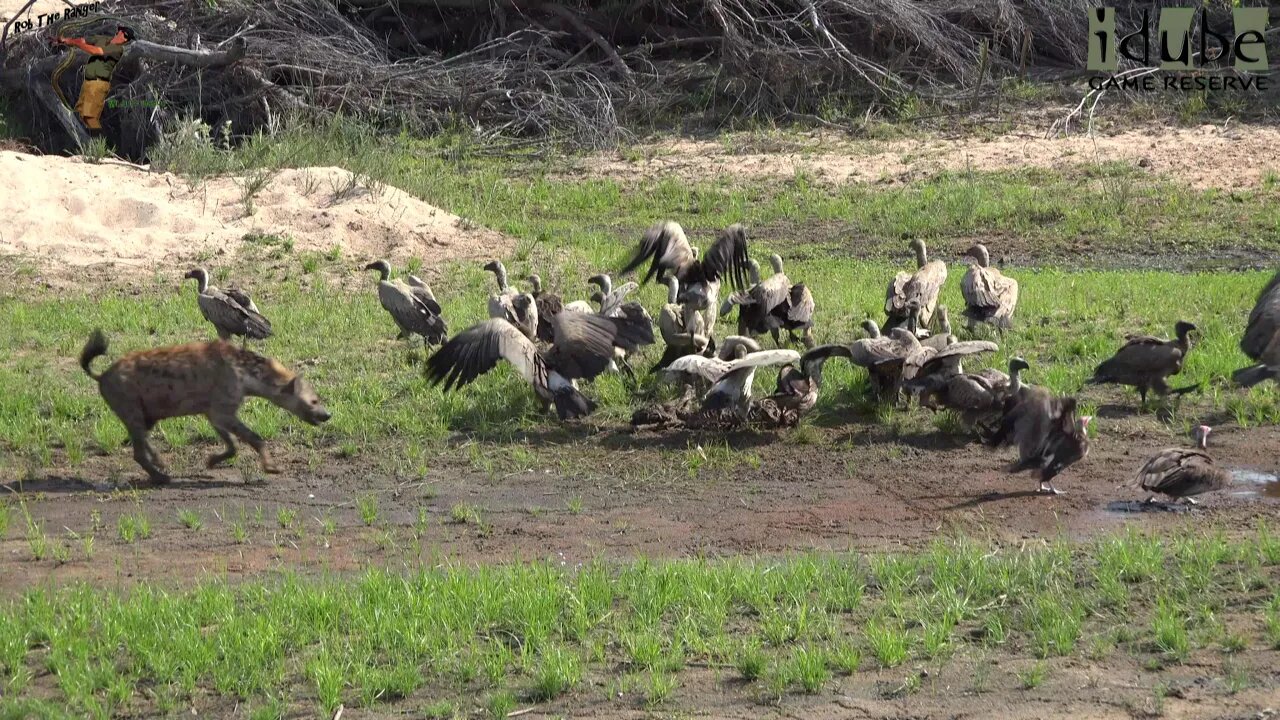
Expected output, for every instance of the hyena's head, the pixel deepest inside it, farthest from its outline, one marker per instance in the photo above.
(298, 397)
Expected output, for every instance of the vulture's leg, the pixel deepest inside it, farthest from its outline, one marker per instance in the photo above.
(776, 337)
(1142, 393)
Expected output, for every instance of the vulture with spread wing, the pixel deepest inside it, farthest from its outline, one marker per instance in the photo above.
(583, 349)
(666, 246)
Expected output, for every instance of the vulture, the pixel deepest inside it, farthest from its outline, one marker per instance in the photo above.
(755, 304)
(882, 356)
(989, 296)
(924, 360)
(976, 396)
(915, 294)
(1144, 362)
(1182, 472)
(941, 339)
(667, 247)
(797, 388)
(231, 311)
(412, 305)
(700, 370)
(795, 313)
(502, 304)
(681, 327)
(733, 390)
(1047, 432)
(549, 305)
(583, 349)
(1261, 341)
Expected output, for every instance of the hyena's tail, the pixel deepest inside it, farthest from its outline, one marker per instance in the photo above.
(96, 346)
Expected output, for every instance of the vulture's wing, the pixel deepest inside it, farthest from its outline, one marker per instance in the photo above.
(800, 306)
(1264, 320)
(709, 369)
(727, 258)
(666, 245)
(476, 350)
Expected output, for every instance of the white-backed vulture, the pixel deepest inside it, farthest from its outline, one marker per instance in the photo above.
(1261, 341)
(231, 311)
(1145, 362)
(682, 328)
(583, 349)
(412, 306)
(1183, 472)
(989, 296)
(732, 391)
(977, 396)
(943, 337)
(549, 305)
(700, 277)
(915, 293)
(502, 305)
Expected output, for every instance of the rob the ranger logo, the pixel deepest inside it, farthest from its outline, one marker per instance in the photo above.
(1245, 47)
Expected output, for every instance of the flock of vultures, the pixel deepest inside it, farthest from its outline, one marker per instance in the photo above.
(913, 354)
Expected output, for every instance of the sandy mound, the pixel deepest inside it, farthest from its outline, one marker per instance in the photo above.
(1209, 156)
(65, 210)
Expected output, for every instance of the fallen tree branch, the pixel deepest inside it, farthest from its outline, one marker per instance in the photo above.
(578, 24)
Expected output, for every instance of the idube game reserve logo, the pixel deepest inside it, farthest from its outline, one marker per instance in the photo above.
(1242, 49)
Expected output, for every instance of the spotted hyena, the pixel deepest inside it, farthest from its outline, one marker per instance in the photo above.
(209, 378)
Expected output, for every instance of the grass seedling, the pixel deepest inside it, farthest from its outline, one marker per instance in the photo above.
(190, 519)
(887, 641)
(1033, 676)
(367, 505)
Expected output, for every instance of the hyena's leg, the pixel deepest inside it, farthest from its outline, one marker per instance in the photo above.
(146, 456)
(255, 440)
(224, 432)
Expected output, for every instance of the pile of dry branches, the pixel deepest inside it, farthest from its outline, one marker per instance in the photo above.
(575, 71)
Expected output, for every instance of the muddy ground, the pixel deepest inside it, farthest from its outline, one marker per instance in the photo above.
(581, 493)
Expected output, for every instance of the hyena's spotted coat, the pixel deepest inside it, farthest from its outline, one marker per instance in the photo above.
(209, 378)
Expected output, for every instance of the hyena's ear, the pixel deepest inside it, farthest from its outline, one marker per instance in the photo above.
(292, 387)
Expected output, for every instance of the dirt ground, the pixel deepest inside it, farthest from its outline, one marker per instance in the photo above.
(1249, 151)
(617, 494)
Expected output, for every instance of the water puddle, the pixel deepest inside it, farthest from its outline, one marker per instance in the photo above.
(1253, 482)
(1138, 506)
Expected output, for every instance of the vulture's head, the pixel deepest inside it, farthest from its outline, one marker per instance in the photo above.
(1017, 364)
(871, 328)
(1202, 436)
(382, 266)
(1183, 328)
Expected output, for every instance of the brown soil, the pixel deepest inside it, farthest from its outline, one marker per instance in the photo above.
(1242, 155)
(609, 493)
(858, 487)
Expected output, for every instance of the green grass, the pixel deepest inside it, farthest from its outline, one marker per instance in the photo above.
(1068, 322)
(844, 242)
(540, 631)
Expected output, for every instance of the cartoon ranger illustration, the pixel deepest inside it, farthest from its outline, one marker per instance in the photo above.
(106, 51)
